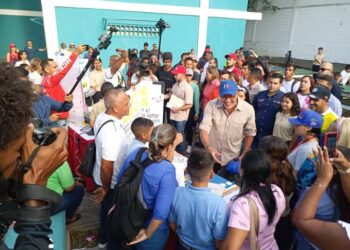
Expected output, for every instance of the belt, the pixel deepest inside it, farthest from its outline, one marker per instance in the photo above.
(184, 245)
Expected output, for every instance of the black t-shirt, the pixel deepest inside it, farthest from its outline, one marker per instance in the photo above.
(145, 54)
(165, 76)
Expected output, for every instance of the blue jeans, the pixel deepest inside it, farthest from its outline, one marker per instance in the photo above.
(180, 127)
(71, 201)
(157, 241)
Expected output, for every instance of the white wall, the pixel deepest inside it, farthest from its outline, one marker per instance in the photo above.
(312, 24)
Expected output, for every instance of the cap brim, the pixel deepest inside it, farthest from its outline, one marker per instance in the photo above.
(295, 121)
(314, 97)
(223, 93)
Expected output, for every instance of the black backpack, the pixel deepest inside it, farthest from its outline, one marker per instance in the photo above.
(88, 162)
(129, 213)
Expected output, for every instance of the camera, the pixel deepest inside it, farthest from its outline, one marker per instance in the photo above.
(43, 136)
(161, 24)
(132, 54)
(145, 72)
(143, 69)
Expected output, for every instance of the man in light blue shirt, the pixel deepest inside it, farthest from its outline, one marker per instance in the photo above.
(334, 102)
(198, 216)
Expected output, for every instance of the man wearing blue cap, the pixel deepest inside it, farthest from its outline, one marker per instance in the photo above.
(227, 121)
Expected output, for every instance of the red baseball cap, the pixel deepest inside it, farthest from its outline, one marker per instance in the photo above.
(179, 70)
(12, 45)
(231, 55)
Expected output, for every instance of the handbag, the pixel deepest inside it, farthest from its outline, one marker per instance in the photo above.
(254, 224)
(88, 162)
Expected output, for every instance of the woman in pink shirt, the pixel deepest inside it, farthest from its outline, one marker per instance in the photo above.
(268, 198)
(210, 88)
(12, 55)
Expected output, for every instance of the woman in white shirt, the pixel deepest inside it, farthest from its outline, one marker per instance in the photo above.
(307, 83)
(22, 58)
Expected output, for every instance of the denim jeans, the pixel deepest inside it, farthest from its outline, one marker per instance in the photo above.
(71, 201)
(180, 127)
(105, 206)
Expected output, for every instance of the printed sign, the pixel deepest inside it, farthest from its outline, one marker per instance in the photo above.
(146, 101)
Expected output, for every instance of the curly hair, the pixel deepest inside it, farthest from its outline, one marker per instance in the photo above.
(294, 99)
(16, 98)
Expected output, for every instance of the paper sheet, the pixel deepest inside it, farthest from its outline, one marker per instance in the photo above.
(180, 163)
(175, 102)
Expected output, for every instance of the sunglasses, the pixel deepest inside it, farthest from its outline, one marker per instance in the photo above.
(323, 69)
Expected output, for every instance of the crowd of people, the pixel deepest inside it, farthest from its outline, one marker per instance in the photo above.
(294, 190)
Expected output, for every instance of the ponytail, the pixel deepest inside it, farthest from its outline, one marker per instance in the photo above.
(256, 168)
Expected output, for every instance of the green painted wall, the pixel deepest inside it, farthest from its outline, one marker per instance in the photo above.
(19, 29)
(21, 4)
(76, 26)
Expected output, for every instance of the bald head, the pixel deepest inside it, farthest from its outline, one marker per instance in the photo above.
(326, 68)
(117, 103)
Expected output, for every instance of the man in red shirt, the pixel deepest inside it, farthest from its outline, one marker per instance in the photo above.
(52, 76)
(231, 60)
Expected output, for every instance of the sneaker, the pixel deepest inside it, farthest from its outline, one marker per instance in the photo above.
(189, 149)
(102, 245)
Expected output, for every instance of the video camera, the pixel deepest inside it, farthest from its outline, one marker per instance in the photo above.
(143, 69)
(42, 136)
(132, 54)
(105, 39)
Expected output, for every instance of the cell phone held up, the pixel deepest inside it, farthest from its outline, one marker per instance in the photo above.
(246, 53)
(330, 141)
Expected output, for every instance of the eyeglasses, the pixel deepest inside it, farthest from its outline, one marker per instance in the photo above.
(323, 69)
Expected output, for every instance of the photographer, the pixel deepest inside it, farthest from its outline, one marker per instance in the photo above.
(31, 207)
(144, 74)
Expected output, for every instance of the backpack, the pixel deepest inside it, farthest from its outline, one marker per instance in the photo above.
(88, 162)
(129, 213)
(293, 84)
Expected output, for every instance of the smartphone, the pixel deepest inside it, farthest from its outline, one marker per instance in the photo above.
(330, 140)
(246, 53)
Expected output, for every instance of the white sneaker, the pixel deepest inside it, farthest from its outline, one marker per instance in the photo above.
(102, 245)
(189, 149)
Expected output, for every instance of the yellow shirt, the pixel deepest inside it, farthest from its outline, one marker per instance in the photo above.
(328, 117)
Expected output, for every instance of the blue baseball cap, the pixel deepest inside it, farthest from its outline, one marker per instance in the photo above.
(308, 118)
(228, 87)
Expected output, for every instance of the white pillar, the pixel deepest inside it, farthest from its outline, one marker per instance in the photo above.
(292, 26)
(203, 26)
(50, 27)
